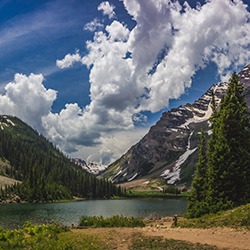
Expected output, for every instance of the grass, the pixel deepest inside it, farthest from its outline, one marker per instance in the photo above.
(114, 221)
(159, 243)
(236, 218)
(54, 237)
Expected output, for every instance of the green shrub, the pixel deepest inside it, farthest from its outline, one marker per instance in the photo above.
(114, 221)
(11, 239)
(31, 237)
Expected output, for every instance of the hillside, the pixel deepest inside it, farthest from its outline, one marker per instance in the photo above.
(169, 150)
(45, 173)
(238, 217)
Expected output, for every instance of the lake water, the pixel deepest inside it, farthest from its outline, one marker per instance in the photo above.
(13, 215)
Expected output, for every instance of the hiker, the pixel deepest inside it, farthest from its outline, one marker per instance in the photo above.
(175, 218)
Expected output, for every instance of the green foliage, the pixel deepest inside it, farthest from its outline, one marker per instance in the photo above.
(171, 189)
(222, 179)
(151, 194)
(114, 221)
(4, 166)
(228, 152)
(159, 243)
(237, 218)
(31, 237)
(196, 204)
(46, 174)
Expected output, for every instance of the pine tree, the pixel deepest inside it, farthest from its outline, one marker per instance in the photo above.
(229, 151)
(197, 205)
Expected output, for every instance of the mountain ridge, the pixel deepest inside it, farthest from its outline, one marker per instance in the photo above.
(168, 150)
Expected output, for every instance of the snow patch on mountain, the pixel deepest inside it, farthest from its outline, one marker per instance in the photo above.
(91, 167)
(6, 122)
(132, 178)
(174, 175)
(201, 115)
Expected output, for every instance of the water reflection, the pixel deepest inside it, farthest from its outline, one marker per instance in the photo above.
(13, 215)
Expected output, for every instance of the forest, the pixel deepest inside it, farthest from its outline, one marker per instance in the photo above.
(46, 174)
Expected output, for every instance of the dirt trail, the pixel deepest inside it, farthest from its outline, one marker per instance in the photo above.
(220, 237)
(227, 238)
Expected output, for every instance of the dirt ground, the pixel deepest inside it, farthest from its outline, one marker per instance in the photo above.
(226, 238)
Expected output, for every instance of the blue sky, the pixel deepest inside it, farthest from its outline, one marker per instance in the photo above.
(93, 76)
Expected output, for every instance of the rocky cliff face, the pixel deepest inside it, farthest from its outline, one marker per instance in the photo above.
(169, 150)
(244, 76)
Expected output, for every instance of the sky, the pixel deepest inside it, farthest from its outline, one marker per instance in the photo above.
(93, 76)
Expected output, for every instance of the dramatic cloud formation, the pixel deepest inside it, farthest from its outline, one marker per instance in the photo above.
(135, 70)
(141, 69)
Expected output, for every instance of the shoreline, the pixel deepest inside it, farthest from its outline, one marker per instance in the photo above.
(77, 199)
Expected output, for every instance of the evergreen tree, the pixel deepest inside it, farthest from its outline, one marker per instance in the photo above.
(197, 205)
(229, 152)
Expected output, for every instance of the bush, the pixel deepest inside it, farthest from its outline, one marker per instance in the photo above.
(31, 236)
(114, 221)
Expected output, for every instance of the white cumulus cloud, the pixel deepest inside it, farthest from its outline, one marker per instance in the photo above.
(68, 60)
(143, 68)
(93, 25)
(27, 98)
(107, 9)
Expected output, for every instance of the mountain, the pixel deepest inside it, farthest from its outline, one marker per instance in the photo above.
(39, 171)
(169, 150)
(90, 167)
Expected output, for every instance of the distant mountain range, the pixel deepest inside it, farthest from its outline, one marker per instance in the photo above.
(90, 167)
(169, 150)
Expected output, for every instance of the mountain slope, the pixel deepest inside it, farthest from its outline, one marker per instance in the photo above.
(169, 150)
(45, 173)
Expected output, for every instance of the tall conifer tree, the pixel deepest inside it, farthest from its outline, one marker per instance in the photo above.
(196, 204)
(229, 151)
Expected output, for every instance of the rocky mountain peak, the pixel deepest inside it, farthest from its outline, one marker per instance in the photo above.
(244, 76)
(169, 143)
(169, 150)
(91, 167)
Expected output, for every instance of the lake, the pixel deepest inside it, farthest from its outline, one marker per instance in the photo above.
(13, 215)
